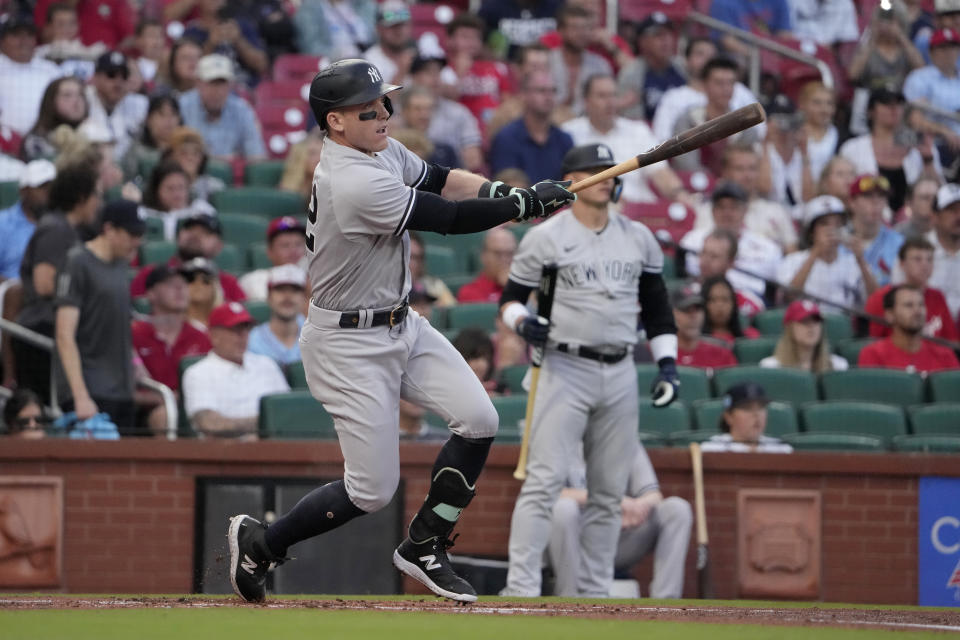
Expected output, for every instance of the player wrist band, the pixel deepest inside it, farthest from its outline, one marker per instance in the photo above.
(664, 346)
(513, 313)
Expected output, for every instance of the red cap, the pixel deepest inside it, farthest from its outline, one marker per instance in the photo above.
(800, 310)
(868, 183)
(230, 315)
(285, 223)
(943, 37)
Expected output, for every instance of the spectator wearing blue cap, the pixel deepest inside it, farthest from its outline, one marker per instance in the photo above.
(743, 423)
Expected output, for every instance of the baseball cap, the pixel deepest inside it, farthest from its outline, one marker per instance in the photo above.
(215, 67)
(885, 95)
(944, 37)
(727, 189)
(209, 222)
(423, 59)
(286, 274)
(125, 215)
(198, 264)
(588, 156)
(800, 310)
(821, 206)
(37, 173)
(229, 315)
(112, 62)
(780, 104)
(868, 183)
(16, 22)
(653, 21)
(161, 273)
(743, 393)
(686, 298)
(282, 224)
(393, 12)
(947, 195)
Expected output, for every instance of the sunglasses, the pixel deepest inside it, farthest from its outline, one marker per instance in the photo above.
(31, 422)
(867, 184)
(114, 74)
(395, 16)
(204, 277)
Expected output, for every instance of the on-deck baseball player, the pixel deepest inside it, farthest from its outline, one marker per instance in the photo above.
(587, 390)
(363, 349)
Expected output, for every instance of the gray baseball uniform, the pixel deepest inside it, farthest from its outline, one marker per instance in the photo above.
(580, 399)
(666, 530)
(359, 253)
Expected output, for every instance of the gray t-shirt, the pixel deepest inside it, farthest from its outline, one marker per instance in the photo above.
(356, 237)
(101, 291)
(453, 124)
(49, 244)
(596, 301)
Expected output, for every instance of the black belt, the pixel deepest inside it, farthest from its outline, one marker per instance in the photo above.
(391, 317)
(592, 354)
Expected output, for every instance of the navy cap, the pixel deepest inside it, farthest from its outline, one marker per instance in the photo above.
(16, 22)
(161, 273)
(112, 61)
(727, 189)
(124, 214)
(588, 156)
(744, 393)
(654, 20)
(209, 222)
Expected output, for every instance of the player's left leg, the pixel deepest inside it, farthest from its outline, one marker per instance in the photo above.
(563, 549)
(438, 379)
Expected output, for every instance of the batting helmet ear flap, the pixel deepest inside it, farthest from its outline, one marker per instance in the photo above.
(617, 189)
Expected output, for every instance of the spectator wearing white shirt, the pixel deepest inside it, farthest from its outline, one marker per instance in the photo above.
(222, 392)
(624, 137)
(63, 45)
(571, 64)
(818, 105)
(279, 337)
(803, 343)
(755, 253)
(822, 270)
(285, 245)
(945, 238)
(112, 105)
(826, 22)
(395, 51)
(23, 76)
(743, 423)
(786, 167)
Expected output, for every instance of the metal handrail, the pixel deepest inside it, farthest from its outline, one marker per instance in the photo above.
(169, 404)
(935, 111)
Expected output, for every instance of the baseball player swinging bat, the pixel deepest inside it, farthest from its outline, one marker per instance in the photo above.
(548, 285)
(704, 587)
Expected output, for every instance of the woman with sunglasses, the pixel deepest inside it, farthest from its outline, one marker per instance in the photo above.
(23, 415)
(205, 292)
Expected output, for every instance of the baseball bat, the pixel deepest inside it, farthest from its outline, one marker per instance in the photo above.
(704, 586)
(548, 285)
(707, 133)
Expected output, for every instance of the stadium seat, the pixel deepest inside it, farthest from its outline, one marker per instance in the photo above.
(665, 421)
(785, 385)
(154, 229)
(512, 376)
(684, 438)
(140, 304)
(873, 385)
(699, 181)
(838, 327)
(259, 309)
(294, 415)
(672, 218)
(257, 256)
(694, 383)
(156, 251)
(466, 248)
(428, 17)
(296, 376)
(184, 428)
(834, 442)
(286, 92)
(927, 444)
(753, 350)
(940, 418)
(456, 280)
(850, 349)
(512, 410)
(9, 193)
(519, 230)
(231, 259)
(262, 201)
(283, 125)
(866, 418)
(266, 173)
(297, 67)
(477, 314)
(944, 386)
(770, 321)
(781, 416)
(222, 170)
(243, 229)
(440, 261)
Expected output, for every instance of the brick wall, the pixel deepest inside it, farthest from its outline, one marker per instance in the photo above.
(130, 506)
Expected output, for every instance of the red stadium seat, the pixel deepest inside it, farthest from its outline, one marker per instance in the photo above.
(699, 181)
(281, 92)
(793, 74)
(637, 10)
(432, 18)
(283, 126)
(663, 216)
(297, 67)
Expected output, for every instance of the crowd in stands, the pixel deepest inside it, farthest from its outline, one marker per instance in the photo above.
(156, 160)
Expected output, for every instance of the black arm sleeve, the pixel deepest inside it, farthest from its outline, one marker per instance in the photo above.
(434, 213)
(655, 311)
(513, 291)
(435, 179)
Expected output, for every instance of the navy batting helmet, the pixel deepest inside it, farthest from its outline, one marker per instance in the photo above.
(344, 83)
(592, 158)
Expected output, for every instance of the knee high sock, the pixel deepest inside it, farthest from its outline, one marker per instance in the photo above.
(319, 511)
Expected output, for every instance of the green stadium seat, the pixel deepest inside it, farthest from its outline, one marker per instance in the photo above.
(156, 251)
(141, 305)
(944, 386)
(265, 173)
(684, 438)
(231, 259)
(259, 309)
(519, 230)
(850, 349)
(456, 280)
(694, 383)
(295, 415)
(262, 201)
(669, 268)
(296, 376)
(867, 418)
(466, 248)
(939, 418)
(243, 229)
(781, 416)
(785, 385)
(512, 410)
(154, 229)
(440, 261)
(9, 193)
(927, 444)
(665, 421)
(476, 314)
(652, 440)
(838, 326)
(512, 376)
(753, 350)
(184, 428)
(770, 321)
(834, 442)
(220, 169)
(257, 256)
(873, 385)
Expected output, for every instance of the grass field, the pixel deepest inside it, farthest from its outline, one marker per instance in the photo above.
(103, 617)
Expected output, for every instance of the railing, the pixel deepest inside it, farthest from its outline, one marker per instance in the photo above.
(935, 111)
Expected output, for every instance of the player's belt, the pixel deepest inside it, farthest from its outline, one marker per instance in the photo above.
(592, 354)
(365, 318)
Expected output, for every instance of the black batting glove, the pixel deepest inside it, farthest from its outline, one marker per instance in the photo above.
(542, 199)
(534, 329)
(666, 386)
(494, 190)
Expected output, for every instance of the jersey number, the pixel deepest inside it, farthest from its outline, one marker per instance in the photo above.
(312, 217)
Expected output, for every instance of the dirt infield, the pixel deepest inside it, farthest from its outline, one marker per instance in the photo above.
(814, 616)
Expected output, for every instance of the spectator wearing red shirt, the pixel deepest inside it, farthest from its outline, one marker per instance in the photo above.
(499, 245)
(111, 22)
(477, 83)
(692, 349)
(916, 262)
(906, 348)
(198, 237)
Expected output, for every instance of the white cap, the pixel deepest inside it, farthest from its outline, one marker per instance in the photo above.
(215, 67)
(37, 173)
(947, 195)
(287, 274)
(821, 206)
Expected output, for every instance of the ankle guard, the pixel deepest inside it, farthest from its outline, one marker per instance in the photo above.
(449, 495)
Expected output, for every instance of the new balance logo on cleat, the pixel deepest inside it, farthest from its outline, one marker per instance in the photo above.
(248, 565)
(250, 558)
(435, 571)
(430, 562)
